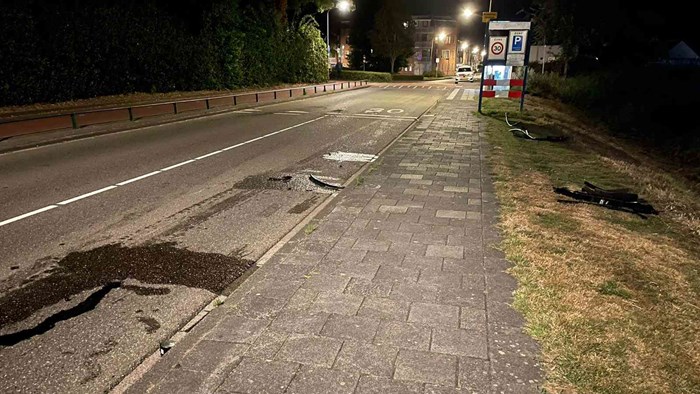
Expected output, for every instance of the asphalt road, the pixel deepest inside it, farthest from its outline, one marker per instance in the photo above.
(110, 244)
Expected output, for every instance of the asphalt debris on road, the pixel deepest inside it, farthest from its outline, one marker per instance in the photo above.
(105, 268)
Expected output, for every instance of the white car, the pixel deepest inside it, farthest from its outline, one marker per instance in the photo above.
(464, 73)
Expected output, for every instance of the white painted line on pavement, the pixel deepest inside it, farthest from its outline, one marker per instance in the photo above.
(177, 165)
(150, 174)
(374, 117)
(286, 113)
(384, 116)
(208, 155)
(86, 195)
(138, 178)
(453, 94)
(465, 95)
(298, 112)
(28, 214)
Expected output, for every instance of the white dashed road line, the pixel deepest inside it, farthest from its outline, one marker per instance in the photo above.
(150, 174)
(453, 94)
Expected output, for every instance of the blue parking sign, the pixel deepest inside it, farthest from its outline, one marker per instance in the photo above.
(517, 43)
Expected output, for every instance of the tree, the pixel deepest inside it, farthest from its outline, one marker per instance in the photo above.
(394, 31)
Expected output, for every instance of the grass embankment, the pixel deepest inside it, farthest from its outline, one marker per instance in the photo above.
(613, 299)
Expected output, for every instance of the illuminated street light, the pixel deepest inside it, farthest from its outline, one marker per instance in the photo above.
(465, 45)
(440, 37)
(475, 50)
(343, 6)
(467, 13)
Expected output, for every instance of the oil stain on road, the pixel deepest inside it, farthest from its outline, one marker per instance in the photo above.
(104, 269)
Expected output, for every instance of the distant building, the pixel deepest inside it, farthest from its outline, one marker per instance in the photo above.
(428, 48)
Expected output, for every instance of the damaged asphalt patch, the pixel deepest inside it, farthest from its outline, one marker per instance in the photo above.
(104, 268)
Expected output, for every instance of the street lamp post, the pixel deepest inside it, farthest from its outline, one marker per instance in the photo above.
(343, 6)
(464, 47)
(440, 37)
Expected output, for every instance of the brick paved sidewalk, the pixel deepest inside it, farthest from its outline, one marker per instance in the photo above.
(395, 291)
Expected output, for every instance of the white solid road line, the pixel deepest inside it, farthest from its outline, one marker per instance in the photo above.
(177, 165)
(453, 94)
(138, 178)
(286, 113)
(465, 95)
(28, 214)
(298, 112)
(86, 195)
(150, 174)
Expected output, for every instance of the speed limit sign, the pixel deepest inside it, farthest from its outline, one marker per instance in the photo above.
(497, 48)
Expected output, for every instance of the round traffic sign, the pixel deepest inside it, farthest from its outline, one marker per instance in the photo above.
(497, 48)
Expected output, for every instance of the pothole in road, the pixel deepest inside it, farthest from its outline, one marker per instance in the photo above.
(105, 268)
(291, 182)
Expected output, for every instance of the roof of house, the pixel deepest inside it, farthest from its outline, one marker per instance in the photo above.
(682, 51)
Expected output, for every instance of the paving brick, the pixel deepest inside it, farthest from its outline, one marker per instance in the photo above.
(351, 327)
(267, 344)
(315, 380)
(411, 176)
(444, 280)
(275, 288)
(310, 350)
(422, 182)
(437, 389)
(259, 376)
(301, 300)
(429, 239)
(426, 367)
(338, 303)
(359, 269)
(460, 342)
(447, 174)
(180, 381)
(368, 288)
(207, 356)
(413, 292)
(474, 375)
(456, 189)
(396, 274)
(416, 192)
(395, 236)
(451, 214)
(256, 307)
(372, 245)
(472, 319)
(377, 385)
(423, 263)
(434, 314)
(403, 335)
(454, 252)
(383, 308)
(238, 329)
(462, 297)
(392, 209)
(367, 358)
(299, 322)
(326, 283)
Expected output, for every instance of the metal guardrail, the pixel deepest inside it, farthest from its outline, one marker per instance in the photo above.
(77, 119)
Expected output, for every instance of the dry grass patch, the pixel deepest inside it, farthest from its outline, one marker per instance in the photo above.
(613, 299)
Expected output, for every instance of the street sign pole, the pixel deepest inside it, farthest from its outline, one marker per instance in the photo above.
(483, 67)
(528, 47)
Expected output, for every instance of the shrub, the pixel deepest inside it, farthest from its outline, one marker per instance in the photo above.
(352, 75)
(56, 50)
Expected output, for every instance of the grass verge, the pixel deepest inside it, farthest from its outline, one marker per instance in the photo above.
(613, 299)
